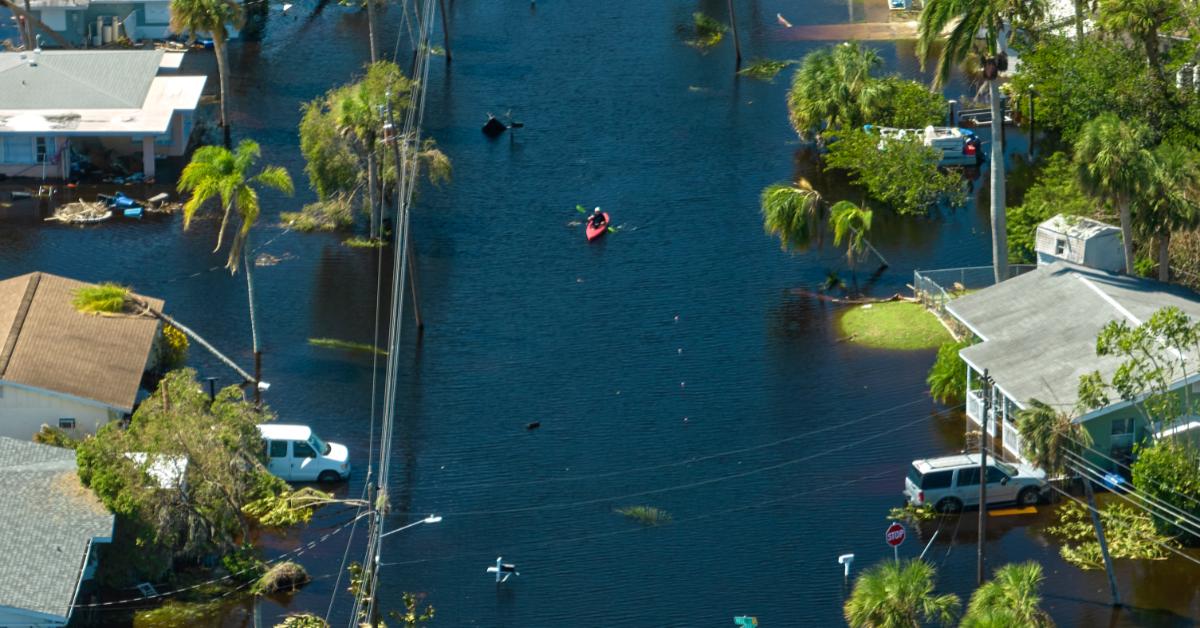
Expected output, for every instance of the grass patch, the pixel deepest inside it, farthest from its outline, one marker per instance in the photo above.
(334, 343)
(106, 298)
(708, 32)
(893, 325)
(332, 214)
(646, 515)
(764, 69)
(359, 242)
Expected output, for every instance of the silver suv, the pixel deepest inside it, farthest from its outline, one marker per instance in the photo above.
(951, 483)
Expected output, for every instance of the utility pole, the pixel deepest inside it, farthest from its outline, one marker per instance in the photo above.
(983, 435)
(445, 31)
(392, 135)
(737, 44)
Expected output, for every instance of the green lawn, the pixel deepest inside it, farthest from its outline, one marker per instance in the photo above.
(893, 325)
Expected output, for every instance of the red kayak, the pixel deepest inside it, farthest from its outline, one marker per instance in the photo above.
(596, 232)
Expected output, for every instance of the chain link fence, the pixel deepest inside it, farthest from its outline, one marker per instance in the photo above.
(935, 288)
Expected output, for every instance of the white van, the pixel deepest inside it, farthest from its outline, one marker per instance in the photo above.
(296, 454)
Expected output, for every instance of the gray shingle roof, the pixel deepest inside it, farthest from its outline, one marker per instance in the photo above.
(76, 79)
(1040, 328)
(46, 522)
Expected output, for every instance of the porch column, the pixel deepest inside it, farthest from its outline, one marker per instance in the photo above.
(64, 156)
(177, 138)
(148, 156)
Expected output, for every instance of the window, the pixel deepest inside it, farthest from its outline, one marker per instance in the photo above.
(39, 149)
(16, 150)
(66, 424)
(995, 475)
(1060, 246)
(278, 449)
(301, 449)
(968, 477)
(1121, 443)
(936, 480)
(1122, 427)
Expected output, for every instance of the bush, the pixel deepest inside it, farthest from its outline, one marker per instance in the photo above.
(903, 175)
(1130, 534)
(175, 348)
(285, 576)
(947, 378)
(708, 32)
(646, 515)
(105, 298)
(54, 437)
(243, 564)
(1169, 471)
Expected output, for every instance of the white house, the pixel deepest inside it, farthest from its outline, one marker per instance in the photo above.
(51, 526)
(66, 369)
(1080, 240)
(59, 105)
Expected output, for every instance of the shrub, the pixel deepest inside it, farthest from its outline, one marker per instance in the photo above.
(646, 515)
(948, 378)
(175, 348)
(105, 298)
(1130, 534)
(1169, 471)
(285, 576)
(54, 437)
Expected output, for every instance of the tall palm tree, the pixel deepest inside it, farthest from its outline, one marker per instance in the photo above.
(217, 172)
(794, 213)
(965, 21)
(211, 16)
(833, 88)
(1050, 439)
(1171, 201)
(1010, 598)
(1114, 165)
(898, 595)
(358, 117)
(851, 223)
(1143, 20)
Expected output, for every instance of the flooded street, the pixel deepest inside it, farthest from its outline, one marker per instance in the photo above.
(680, 362)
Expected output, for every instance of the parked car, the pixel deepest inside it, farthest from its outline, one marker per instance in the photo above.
(951, 483)
(296, 454)
(958, 147)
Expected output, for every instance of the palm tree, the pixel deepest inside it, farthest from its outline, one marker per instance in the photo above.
(966, 19)
(1010, 598)
(358, 117)
(1143, 20)
(1051, 439)
(794, 213)
(1172, 199)
(851, 223)
(216, 172)
(211, 16)
(1114, 164)
(833, 88)
(898, 595)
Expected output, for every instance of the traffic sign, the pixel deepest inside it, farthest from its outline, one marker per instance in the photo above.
(895, 535)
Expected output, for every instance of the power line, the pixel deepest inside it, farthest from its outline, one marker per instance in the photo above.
(1090, 473)
(1126, 467)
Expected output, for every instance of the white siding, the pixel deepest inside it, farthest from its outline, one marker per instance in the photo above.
(23, 412)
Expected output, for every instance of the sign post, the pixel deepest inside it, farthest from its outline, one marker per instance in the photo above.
(895, 536)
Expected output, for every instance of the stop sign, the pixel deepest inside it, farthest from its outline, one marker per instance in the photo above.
(894, 535)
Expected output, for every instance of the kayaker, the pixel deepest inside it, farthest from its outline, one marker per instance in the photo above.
(597, 218)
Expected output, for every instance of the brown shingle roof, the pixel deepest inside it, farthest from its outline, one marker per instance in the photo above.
(46, 343)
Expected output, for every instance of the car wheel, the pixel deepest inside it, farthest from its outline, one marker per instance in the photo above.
(1028, 496)
(328, 477)
(949, 505)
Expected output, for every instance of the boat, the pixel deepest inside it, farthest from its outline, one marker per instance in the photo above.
(596, 232)
(956, 146)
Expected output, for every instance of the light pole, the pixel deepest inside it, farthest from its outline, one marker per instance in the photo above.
(429, 519)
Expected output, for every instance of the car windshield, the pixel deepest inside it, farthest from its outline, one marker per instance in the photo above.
(318, 444)
(1008, 470)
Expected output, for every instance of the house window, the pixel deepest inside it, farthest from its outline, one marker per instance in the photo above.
(16, 150)
(1121, 441)
(39, 148)
(1060, 246)
(66, 424)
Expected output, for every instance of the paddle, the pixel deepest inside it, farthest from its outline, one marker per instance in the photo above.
(581, 209)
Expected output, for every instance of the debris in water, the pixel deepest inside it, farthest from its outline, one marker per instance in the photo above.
(534, 425)
(783, 21)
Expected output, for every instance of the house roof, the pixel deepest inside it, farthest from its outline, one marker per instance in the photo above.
(77, 79)
(48, 344)
(1039, 329)
(94, 92)
(1078, 227)
(48, 519)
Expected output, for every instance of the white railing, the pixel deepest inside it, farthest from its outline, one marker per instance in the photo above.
(975, 406)
(1012, 440)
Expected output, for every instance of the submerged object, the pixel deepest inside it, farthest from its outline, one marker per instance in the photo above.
(493, 127)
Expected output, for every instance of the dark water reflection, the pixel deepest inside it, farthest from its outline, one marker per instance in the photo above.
(686, 333)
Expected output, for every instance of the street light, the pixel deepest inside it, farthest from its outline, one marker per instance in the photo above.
(429, 519)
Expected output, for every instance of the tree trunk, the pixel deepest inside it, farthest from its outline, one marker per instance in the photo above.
(372, 191)
(1127, 234)
(1164, 257)
(999, 219)
(1099, 527)
(371, 30)
(737, 44)
(27, 29)
(223, 74)
(1079, 20)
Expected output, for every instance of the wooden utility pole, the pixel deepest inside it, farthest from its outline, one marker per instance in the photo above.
(983, 435)
(445, 31)
(371, 30)
(737, 44)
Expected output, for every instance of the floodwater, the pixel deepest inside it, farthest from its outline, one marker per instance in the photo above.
(681, 362)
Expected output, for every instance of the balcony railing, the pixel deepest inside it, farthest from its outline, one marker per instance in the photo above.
(975, 406)
(1012, 440)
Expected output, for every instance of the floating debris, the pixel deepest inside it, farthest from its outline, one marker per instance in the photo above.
(82, 213)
